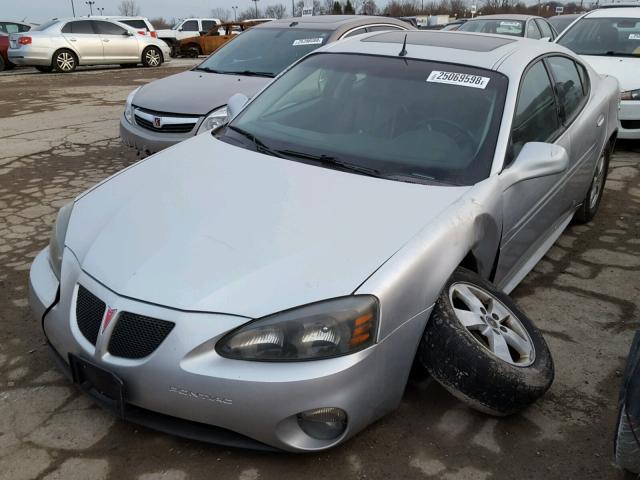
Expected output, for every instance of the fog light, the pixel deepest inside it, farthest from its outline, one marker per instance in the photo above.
(323, 423)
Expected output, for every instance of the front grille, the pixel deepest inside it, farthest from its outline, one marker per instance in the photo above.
(89, 313)
(630, 124)
(136, 336)
(169, 128)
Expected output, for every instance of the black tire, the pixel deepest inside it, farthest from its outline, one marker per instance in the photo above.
(590, 206)
(626, 446)
(64, 61)
(151, 57)
(194, 50)
(469, 370)
(44, 69)
(2, 64)
(9, 66)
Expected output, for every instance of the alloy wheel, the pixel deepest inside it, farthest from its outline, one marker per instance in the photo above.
(492, 324)
(153, 58)
(598, 180)
(65, 61)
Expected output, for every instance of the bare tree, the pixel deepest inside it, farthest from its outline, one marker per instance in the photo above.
(160, 23)
(249, 13)
(275, 11)
(128, 8)
(369, 7)
(222, 14)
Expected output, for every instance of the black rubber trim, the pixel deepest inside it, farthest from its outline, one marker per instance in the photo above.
(55, 302)
(172, 425)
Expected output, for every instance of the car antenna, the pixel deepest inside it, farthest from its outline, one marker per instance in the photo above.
(403, 52)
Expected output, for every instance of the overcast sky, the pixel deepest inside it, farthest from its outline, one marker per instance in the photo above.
(41, 10)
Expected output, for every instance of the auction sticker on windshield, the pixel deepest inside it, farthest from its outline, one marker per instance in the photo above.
(463, 79)
(307, 41)
(634, 36)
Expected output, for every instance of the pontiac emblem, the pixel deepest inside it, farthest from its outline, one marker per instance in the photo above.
(157, 122)
(111, 312)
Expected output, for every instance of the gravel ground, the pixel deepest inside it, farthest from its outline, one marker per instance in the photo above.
(59, 135)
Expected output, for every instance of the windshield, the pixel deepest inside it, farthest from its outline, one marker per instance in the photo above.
(604, 36)
(502, 27)
(265, 50)
(397, 118)
(561, 22)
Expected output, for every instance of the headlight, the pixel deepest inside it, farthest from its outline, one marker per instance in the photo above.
(630, 95)
(56, 244)
(213, 120)
(128, 108)
(319, 330)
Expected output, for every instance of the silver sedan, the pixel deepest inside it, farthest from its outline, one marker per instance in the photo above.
(271, 283)
(62, 45)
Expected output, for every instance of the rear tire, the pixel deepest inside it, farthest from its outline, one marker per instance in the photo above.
(592, 200)
(2, 64)
(496, 361)
(44, 69)
(64, 61)
(151, 57)
(194, 50)
(626, 448)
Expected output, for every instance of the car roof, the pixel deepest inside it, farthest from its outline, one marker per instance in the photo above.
(622, 12)
(566, 15)
(464, 48)
(333, 22)
(505, 16)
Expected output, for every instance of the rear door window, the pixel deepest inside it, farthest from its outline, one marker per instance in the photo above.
(190, 26)
(545, 28)
(357, 31)
(536, 118)
(79, 27)
(138, 24)
(208, 25)
(568, 86)
(533, 31)
(108, 28)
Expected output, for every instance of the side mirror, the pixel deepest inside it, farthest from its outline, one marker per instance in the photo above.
(235, 104)
(536, 159)
(127, 33)
(180, 29)
(546, 39)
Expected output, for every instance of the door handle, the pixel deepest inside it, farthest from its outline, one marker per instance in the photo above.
(105, 40)
(600, 120)
(72, 39)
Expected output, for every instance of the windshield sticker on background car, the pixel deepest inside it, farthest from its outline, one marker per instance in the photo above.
(510, 24)
(634, 36)
(307, 41)
(453, 78)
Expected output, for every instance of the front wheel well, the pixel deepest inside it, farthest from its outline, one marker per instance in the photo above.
(470, 263)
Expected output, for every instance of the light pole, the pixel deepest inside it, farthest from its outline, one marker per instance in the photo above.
(235, 12)
(73, 9)
(256, 2)
(101, 10)
(91, 4)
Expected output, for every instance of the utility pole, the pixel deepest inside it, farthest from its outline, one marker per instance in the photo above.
(293, 8)
(256, 2)
(91, 3)
(235, 13)
(73, 9)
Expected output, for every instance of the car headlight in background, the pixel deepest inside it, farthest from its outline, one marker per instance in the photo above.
(630, 95)
(56, 243)
(320, 330)
(128, 108)
(213, 120)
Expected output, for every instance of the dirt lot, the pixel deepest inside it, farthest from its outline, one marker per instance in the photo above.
(59, 135)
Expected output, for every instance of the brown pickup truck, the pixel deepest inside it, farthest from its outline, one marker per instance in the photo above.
(209, 42)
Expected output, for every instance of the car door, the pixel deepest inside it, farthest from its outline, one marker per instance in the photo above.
(532, 209)
(84, 40)
(587, 126)
(119, 45)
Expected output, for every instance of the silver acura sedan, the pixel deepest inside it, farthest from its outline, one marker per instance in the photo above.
(62, 45)
(270, 284)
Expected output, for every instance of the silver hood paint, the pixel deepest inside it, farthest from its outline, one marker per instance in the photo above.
(239, 232)
(195, 92)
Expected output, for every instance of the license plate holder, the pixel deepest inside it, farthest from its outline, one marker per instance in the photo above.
(103, 385)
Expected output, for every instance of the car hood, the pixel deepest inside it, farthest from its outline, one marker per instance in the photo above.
(194, 92)
(625, 69)
(206, 226)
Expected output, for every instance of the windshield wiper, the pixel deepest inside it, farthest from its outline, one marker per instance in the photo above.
(414, 177)
(250, 73)
(259, 144)
(207, 69)
(328, 160)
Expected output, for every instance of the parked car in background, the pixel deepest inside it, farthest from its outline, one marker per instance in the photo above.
(142, 25)
(453, 26)
(209, 42)
(627, 436)
(270, 284)
(527, 26)
(186, 28)
(169, 110)
(14, 27)
(62, 45)
(609, 40)
(5, 64)
(561, 22)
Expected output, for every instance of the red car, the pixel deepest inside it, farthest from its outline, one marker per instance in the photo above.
(5, 64)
